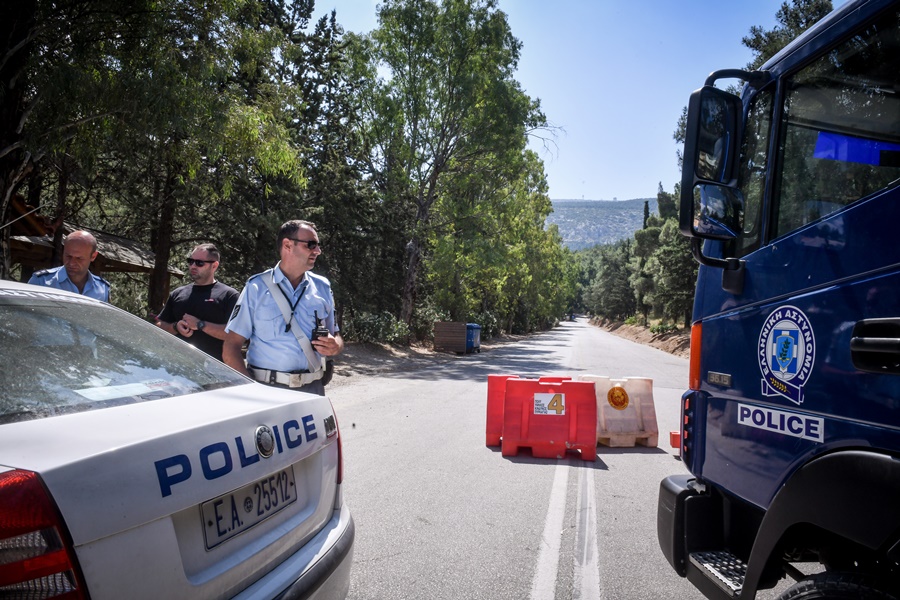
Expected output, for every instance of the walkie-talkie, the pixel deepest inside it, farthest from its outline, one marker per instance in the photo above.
(320, 329)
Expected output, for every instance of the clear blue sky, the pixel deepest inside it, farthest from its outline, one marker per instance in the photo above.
(614, 75)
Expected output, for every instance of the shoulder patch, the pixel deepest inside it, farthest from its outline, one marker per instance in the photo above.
(234, 313)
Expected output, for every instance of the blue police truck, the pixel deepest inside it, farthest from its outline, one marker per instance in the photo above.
(791, 426)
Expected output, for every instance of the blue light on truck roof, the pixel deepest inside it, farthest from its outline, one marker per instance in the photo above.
(848, 148)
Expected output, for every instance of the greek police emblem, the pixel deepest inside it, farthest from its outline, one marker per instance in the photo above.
(786, 353)
(265, 441)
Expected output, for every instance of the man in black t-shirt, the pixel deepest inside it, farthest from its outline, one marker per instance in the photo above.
(199, 311)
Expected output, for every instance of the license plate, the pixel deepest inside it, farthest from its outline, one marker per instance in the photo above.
(235, 512)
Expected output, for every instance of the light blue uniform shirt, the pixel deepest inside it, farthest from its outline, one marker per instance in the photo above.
(95, 287)
(256, 317)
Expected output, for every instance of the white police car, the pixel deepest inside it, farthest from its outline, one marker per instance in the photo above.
(134, 466)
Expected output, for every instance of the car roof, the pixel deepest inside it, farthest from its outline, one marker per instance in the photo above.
(45, 291)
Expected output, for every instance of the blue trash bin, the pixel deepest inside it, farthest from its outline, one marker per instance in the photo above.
(473, 337)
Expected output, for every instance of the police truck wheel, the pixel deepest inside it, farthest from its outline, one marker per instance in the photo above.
(835, 586)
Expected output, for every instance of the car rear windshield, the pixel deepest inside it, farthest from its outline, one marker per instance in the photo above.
(66, 354)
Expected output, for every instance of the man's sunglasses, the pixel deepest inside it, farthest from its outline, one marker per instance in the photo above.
(199, 263)
(311, 244)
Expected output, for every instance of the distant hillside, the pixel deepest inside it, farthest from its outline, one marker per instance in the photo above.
(586, 223)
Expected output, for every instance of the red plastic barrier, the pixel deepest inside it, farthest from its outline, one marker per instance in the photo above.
(550, 415)
(675, 439)
(495, 400)
(496, 392)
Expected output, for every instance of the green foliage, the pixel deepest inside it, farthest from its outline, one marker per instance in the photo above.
(667, 203)
(675, 273)
(654, 275)
(424, 319)
(377, 328)
(793, 18)
(494, 254)
(663, 328)
(490, 324)
(606, 285)
(178, 122)
(127, 292)
(175, 122)
(448, 121)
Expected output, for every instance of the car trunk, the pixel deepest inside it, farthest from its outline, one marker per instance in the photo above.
(173, 498)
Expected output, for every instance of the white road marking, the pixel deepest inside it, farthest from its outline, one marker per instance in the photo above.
(543, 586)
(587, 566)
(586, 582)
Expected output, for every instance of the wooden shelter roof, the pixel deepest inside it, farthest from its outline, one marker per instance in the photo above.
(31, 244)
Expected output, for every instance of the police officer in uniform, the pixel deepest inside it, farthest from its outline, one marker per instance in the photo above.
(198, 311)
(74, 275)
(277, 355)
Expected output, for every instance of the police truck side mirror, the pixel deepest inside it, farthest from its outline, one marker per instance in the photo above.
(718, 212)
(711, 205)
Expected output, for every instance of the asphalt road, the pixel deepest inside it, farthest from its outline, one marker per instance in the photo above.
(441, 515)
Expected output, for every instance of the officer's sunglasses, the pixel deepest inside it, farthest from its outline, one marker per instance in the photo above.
(311, 244)
(199, 263)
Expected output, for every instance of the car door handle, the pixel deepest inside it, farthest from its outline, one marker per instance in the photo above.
(875, 345)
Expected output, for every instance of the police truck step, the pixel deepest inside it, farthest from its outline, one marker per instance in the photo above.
(726, 569)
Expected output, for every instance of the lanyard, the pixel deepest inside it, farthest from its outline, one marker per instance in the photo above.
(303, 287)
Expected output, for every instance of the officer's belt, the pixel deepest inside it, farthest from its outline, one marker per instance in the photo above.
(291, 380)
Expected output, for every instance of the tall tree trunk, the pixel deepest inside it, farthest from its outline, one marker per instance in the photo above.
(159, 277)
(12, 174)
(62, 193)
(411, 281)
(15, 28)
(415, 248)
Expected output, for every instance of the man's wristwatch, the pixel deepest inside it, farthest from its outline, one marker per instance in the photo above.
(201, 325)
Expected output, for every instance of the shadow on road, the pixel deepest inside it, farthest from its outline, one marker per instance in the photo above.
(534, 356)
(572, 458)
(632, 450)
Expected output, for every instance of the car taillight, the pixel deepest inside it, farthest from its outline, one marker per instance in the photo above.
(36, 561)
(333, 429)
